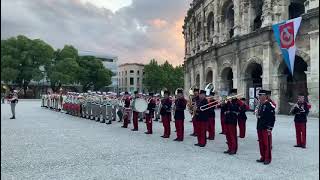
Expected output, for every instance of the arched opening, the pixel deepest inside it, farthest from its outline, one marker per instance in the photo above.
(209, 77)
(228, 17)
(290, 86)
(210, 26)
(257, 7)
(198, 29)
(198, 81)
(253, 78)
(227, 80)
(296, 8)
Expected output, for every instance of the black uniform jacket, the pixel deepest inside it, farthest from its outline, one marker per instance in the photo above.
(243, 108)
(195, 100)
(211, 112)
(166, 107)
(232, 111)
(202, 115)
(127, 102)
(301, 112)
(223, 108)
(266, 116)
(151, 106)
(180, 104)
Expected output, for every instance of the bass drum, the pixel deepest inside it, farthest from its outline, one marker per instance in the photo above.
(140, 105)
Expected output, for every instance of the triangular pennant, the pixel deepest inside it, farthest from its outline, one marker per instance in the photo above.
(285, 34)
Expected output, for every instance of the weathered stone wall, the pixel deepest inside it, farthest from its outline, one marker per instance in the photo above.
(214, 51)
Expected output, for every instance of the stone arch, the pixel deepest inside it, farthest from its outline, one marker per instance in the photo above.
(290, 86)
(252, 79)
(209, 75)
(210, 25)
(257, 13)
(227, 14)
(296, 8)
(197, 80)
(226, 77)
(251, 60)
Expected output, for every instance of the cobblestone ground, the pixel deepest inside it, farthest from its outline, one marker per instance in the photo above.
(42, 144)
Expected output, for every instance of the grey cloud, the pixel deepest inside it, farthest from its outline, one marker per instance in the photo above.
(88, 27)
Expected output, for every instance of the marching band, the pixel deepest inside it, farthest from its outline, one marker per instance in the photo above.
(104, 108)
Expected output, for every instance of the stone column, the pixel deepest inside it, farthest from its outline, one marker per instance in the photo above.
(311, 4)
(281, 10)
(276, 91)
(266, 65)
(313, 74)
(236, 70)
(246, 16)
(237, 19)
(267, 13)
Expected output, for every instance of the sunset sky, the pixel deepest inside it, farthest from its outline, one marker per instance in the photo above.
(133, 30)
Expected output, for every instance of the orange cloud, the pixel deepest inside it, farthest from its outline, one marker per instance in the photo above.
(158, 23)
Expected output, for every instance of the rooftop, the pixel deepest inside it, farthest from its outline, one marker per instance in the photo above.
(126, 64)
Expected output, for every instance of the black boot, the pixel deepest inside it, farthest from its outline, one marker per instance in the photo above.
(13, 117)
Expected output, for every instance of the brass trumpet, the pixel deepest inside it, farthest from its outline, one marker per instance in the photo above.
(217, 103)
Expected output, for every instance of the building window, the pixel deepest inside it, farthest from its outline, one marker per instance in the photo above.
(131, 81)
(138, 72)
(126, 73)
(131, 71)
(138, 81)
(143, 73)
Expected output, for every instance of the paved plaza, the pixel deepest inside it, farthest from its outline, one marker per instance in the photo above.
(43, 144)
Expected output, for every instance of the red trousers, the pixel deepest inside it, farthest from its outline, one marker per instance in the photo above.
(223, 125)
(211, 127)
(202, 127)
(180, 128)
(301, 132)
(242, 127)
(194, 124)
(166, 125)
(264, 137)
(149, 123)
(135, 119)
(231, 135)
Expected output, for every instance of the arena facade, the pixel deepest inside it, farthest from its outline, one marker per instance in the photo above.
(231, 44)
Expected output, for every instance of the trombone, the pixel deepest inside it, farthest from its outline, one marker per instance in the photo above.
(217, 102)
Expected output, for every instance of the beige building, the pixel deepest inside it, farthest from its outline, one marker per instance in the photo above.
(130, 77)
(230, 43)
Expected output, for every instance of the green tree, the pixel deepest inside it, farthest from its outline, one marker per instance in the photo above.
(93, 73)
(162, 76)
(64, 67)
(21, 59)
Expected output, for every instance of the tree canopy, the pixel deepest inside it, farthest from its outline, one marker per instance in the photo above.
(158, 77)
(24, 59)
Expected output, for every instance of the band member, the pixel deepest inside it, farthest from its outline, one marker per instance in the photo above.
(127, 109)
(242, 118)
(211, 120)
(266, 120)
(165, 113)
(150, 113)
(301, 111)
(13, 99)
(135, 115)
(222, 107)
(231, 117)
(180, 106)
(202, 120)
(195, 100)
(157, 110)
